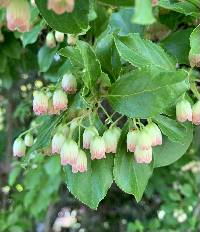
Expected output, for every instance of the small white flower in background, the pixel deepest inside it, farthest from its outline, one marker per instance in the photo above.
(59, 36)
(161, 214)
(180, 215)
(19, 148)
(28, 140)
(50, 40)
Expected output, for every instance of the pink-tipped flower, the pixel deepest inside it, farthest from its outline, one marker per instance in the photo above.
(132, 140)
(51, 109)
(154, 133)
(184, 111)
(60, 100)
(88, 134)
(144, 141)
(143, 156)
(18, 15)
(50, 40)
(111, 138)
(19, 148)
(40, 103)
(61, 6)
(69, 83)
(81, 163)
(69, 152)
(57, 142)
(196, 113)
(98, 148)
(28, 140)
(59, 36)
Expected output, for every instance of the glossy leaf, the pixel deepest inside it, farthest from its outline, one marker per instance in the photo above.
(72, 23)
(171, 151)
(144, 93)
(140, 53)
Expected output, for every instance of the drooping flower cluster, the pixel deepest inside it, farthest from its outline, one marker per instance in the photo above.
(19, 146)
(61, 6)
(17, 14)
(186, 112)
(141, 142)
(53, 103)
(52, 38)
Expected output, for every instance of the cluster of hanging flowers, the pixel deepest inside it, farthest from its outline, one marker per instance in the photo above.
(61, 6)
(19, 146)
(53, 103)
(141, 141)
(186, 112)
(18, 14)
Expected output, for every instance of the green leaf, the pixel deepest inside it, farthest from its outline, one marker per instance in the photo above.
(13, 175)
(72, 23)
(121, 21)
(118, 2)
(195, 47)
(143, 12)
(145, 93)
(3, 62)
(91, 187)
(171, 151)
(45, 57)
(178, 45)
(141, 52)
(45, 133)
(183, 7)
(172, 129)
(52, 166)
(92, 67)
(31, 36)
(131, 177)
(108, 56)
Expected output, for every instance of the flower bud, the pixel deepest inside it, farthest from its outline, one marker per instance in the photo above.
(196, 113)
(71, 39)
(61, 6)
(69, 152)
(51, 109)
(98, 148)
(50, 40)
(69, 83)
(59, 36)
(143, 156)
(63, 128)
(18, 15)
(88, 134)
(19, 148)
(60, 100)
(111, 138)
(40, 103)
(81, 163)
(144, 140)
(28, 140)
(154, 133)
(132, 140)
(184, 111)
(57, 142)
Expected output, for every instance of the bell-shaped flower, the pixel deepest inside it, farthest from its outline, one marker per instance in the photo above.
(18, 15)
(50, 40)
(144, 141)
(69, 152)
(51, 109)
(69, 83)
(57, 142)
(143, 156)
(196, 113)
(184, 111)
(132, 140)
(19, 147)
(28, 140)
(40, 103)
(155, 134)
(111, 138)
(88, 134)
(81, 162)
(61, 6)
(98, 148)
(59, 36)
(60, 100)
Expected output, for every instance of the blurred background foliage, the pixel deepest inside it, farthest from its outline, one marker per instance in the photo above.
(33, 194)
